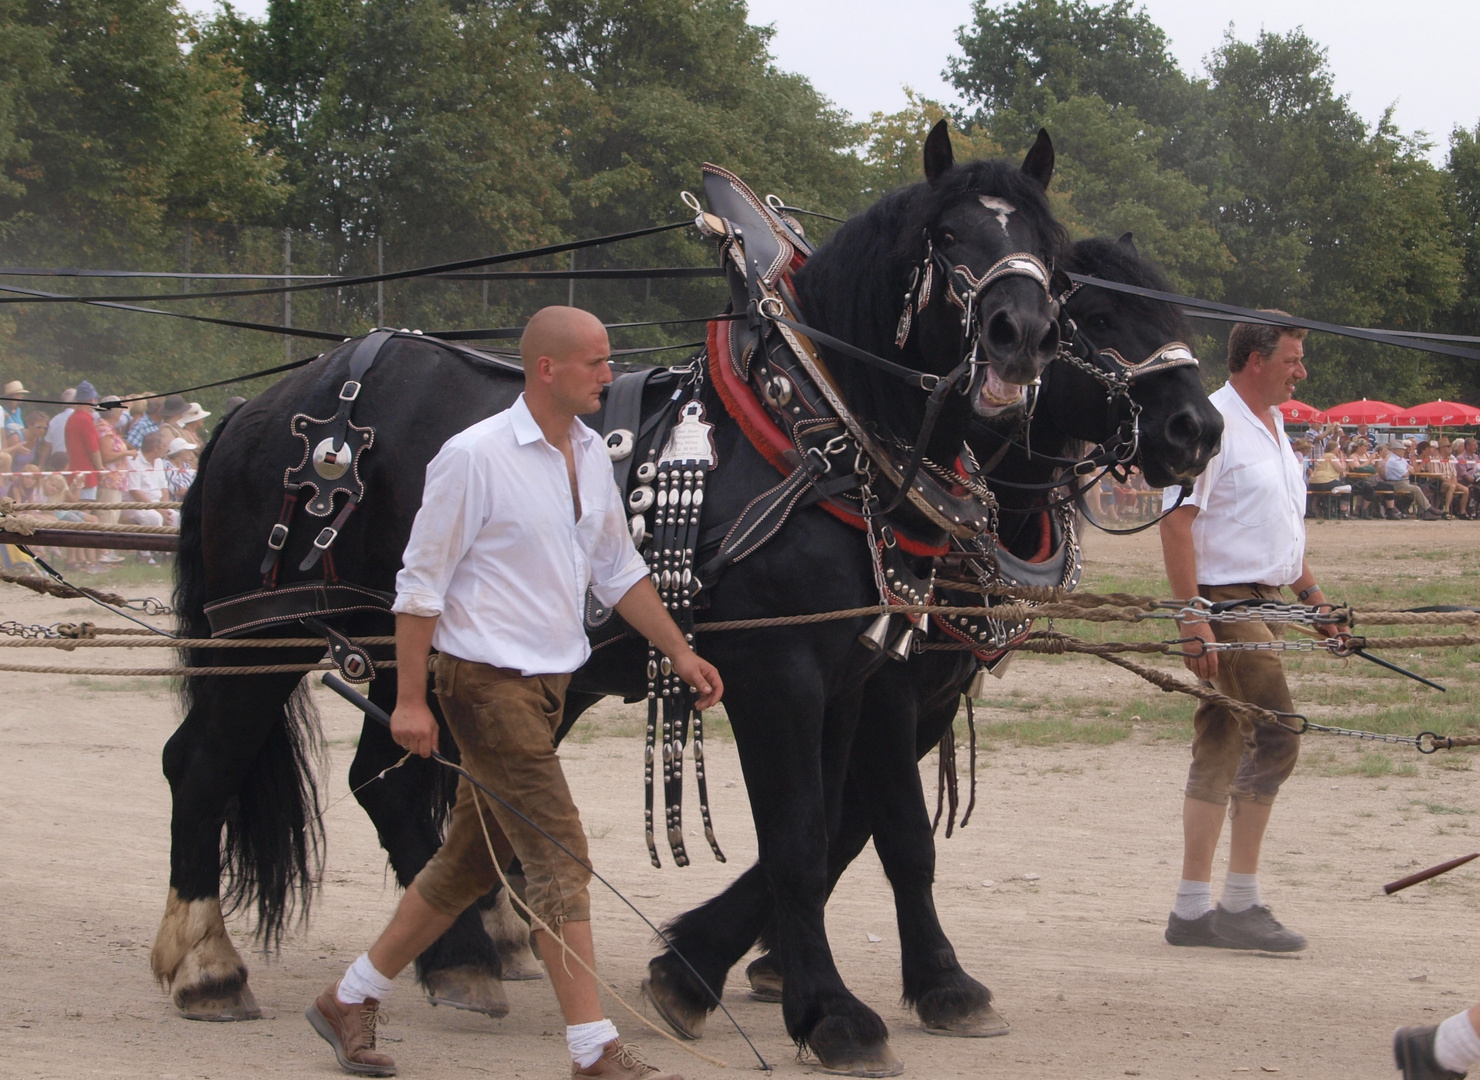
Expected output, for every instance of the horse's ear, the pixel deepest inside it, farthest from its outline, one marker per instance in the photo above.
(1039, 162)
(939, 157)
(1127, 241)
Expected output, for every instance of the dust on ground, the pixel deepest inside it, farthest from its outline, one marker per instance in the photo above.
(1055, 895)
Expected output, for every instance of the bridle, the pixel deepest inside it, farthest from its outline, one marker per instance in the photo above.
(1109, 368)
(964, 290)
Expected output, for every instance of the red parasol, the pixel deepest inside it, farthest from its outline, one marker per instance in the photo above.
(1362, 412)
(1298, 412)
(1437, 414)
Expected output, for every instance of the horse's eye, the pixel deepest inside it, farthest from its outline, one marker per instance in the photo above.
(945, 239)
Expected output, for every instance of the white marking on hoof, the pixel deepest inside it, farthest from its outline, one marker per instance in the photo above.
(194, 959)
(510, 937)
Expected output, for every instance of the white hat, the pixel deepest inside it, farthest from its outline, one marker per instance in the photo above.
(178, 446)
(14, 387)
(192, 414)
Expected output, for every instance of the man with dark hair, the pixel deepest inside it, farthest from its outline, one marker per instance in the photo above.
(1240, 535)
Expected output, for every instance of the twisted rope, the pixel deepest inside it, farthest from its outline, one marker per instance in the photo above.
(253, 669)
(26, 524)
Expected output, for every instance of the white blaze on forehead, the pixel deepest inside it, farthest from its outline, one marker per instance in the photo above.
(1000, 207)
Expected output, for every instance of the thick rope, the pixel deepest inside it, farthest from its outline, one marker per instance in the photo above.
(49, 507)
(252, 669)
(26, 525)
(154, 641)
(67, 592)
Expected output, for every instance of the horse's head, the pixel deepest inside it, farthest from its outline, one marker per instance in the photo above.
(1143, 340)
(980, 248)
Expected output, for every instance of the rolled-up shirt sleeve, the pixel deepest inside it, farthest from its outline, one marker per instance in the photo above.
(456, 504)
(615, 564)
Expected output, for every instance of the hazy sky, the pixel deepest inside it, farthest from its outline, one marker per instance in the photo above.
(861, 53)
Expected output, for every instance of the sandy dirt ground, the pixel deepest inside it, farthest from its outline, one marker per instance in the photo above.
(1056, 896)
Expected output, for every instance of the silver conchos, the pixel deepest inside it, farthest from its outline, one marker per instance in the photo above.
(641, 500)
(332, 462)
(691, 440)
(620, 444)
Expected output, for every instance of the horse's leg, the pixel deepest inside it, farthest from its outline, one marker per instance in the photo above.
(712, 937)
(242, 742)
(784, 745)
(462, 968)
(947, 999)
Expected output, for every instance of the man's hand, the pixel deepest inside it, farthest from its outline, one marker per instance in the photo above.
(1206, 665)
(701, 675)
(414, 727)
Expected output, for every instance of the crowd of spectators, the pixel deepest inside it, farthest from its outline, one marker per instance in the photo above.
(102, 450)
(1430, 479)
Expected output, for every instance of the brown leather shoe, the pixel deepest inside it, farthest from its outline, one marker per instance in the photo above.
(350, 1029)
(621, 1061)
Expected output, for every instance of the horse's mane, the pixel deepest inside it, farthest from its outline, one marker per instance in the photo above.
(1100, 256)
(853, 286)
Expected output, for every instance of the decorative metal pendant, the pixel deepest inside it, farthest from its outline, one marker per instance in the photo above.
(332, 462)
(620, 444)
(691, 440)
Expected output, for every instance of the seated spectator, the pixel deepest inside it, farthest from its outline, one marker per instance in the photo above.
(1328, 477)
(1395, 474)
(1361, 473)
(170, 411)
(1467, 471)
(54, 489)
(1440, 471)
(23, 485)
(179, 469)
(147, 483)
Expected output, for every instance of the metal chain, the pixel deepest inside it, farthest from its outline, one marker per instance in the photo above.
(149, 605)
(32, 631)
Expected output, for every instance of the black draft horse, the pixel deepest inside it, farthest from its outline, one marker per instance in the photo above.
(908, 707)
(242, 759)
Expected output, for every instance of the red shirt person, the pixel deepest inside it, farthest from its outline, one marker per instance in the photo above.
(83, 449)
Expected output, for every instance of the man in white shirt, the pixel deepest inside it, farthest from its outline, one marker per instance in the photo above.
(1239, 536)
(147, 483)
(56, 431)
(520, 513)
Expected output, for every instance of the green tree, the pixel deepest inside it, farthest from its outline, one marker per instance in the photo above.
(1019, 60)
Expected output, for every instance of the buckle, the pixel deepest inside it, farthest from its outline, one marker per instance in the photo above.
(349, 391)
(278, 537)
(816, 461)
(326, 537)
(929, 382)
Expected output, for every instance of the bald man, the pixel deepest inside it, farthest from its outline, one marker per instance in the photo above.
(520, 514)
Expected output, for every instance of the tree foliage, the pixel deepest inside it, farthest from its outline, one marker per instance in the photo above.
(132, 135)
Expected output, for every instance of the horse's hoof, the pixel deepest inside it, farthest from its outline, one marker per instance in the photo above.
(981, 1023)
(765, 980)
(839, 1049)
(510, 936)
(519, 964)
(469, 989)
(221, 1007)
(686, 1021)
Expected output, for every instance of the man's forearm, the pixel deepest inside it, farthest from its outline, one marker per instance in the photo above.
(1178, 554)
(413, 646)
(644, 611)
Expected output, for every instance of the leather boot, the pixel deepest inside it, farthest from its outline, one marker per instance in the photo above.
(621, 1061)
(350, 1029)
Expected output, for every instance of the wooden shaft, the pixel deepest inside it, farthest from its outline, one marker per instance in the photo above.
(1424, 875)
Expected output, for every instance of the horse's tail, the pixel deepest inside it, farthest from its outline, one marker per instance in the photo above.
(274, 839)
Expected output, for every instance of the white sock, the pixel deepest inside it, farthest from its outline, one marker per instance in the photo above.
(1194, 899)
(586, 1041)
(362, 981)
(1240, 892)
(1456, 1046)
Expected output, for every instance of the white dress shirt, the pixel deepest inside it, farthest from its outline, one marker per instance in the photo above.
(496, 550)
(1250, 527)
(148, 476)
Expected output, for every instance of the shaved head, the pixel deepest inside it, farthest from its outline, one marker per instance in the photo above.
(560, 333)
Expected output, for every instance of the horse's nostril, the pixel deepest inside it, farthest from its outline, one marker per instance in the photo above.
(1048, 344)
(1002, 331)
(1184, 428)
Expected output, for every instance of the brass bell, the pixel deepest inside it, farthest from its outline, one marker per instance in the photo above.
(977, 687)
(900, 650)
(877, 635)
